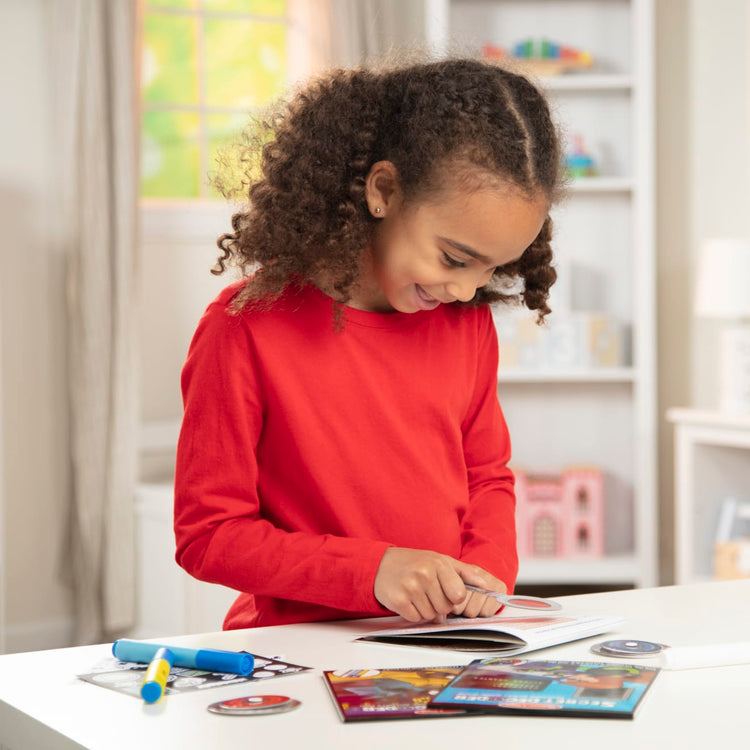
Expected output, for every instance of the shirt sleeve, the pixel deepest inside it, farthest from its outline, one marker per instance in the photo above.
(488, 533)
(221, 535)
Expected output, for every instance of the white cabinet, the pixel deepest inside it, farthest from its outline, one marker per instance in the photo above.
(170, 602)
(712, 464)
(567, 412)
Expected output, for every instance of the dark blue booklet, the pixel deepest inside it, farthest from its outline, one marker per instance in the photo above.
(543, 686)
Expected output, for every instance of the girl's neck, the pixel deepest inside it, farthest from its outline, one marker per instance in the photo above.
(366, 293)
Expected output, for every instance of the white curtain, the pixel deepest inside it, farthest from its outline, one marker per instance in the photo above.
(345, 33)
(363, 30)
(310, 31)
(94, 75)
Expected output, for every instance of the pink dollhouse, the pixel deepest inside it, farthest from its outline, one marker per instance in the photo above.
(560, 515)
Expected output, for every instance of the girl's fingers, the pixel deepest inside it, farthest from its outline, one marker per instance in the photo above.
(438, 600)
(474, 575)
(490, 607)
(410, 613)
(452, 587)
(432, 602)
(477, 605)
(424, 606)
(474, 604)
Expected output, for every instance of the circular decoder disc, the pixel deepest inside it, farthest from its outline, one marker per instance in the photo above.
(254, 705)
(627, 649)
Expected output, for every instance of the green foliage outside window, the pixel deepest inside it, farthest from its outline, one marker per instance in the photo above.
(206, 65)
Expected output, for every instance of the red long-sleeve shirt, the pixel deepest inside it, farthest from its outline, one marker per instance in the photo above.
(306, 451)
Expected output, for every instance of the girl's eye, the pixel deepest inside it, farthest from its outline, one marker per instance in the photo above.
(451, 261)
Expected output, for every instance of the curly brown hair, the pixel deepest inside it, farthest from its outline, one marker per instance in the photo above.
(303, 168)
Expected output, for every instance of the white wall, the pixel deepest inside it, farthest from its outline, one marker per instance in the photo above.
(175, 285)
(33, 357)
(719, 116)
(703, 163)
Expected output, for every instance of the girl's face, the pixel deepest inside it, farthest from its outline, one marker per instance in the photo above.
(441, 251)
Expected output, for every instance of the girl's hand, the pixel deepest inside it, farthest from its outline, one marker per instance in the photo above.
(479, 605)
(423, 585)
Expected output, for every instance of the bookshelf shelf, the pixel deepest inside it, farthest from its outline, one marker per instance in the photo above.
(609, 375)
(588, 82)
(615, 570)
(602, 185)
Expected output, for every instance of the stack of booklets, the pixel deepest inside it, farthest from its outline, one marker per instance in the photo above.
(492, 685)
(496, 683)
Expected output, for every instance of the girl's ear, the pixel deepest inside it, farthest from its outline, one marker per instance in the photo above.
(382, 188)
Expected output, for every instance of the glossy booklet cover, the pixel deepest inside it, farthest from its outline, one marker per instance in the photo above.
(543, 686)
(503, 634)
(368, 694)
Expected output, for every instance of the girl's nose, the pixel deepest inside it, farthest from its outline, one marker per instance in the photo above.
(463, 289)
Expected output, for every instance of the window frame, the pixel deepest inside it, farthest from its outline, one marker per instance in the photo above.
(203, 218)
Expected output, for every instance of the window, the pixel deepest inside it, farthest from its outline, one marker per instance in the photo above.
(206, 65)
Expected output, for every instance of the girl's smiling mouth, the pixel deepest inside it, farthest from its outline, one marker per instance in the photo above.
(425, 300)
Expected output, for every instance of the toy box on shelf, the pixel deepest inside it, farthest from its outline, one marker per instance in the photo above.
(732, 546)
(560, 515)
(578, 161)
(572, 340)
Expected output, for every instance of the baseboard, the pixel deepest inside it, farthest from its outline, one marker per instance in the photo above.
(39, 635)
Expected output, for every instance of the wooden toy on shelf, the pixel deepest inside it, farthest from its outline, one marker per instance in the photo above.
(541, 58)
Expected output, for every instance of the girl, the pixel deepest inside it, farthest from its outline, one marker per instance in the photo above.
(343, 452)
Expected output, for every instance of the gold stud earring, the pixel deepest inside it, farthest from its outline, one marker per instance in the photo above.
(378, 210)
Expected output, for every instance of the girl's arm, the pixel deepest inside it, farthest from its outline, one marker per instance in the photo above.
(220, 534)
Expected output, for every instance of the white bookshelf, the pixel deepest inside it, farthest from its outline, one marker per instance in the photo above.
(605, 226)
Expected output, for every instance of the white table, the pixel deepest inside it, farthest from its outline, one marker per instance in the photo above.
(43, 705)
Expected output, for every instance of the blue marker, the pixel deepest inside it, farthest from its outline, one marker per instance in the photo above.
(155, 680)
(206, 659)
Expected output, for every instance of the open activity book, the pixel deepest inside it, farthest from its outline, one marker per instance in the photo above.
(504, 634)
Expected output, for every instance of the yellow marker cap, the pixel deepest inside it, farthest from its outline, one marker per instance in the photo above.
(155, 680)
